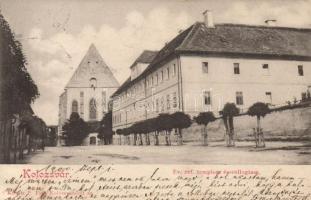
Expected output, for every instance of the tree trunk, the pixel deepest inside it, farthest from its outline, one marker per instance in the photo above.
(261, 140)
(135, 139)
(231, 132)
(129, 140)
(169, 138)
(5, 135)
(258, 123)
(166, 139)
(140, 140)
(10, 142)
(15, 144)
(147, 139)
(20, 155)
(180, 140)
(156, 137)
(226, 137)
(205, 136)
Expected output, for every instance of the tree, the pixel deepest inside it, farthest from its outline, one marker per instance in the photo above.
(150, 125)
(180, 121)
(17, 88)
(75, 130)
(164, 123)
(105, 130)
(230, 110)
(204, 118)
(259, 110)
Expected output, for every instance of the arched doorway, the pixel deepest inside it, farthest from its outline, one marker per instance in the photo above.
(92, 140)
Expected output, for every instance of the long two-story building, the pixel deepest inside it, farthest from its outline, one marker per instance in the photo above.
(208, 65)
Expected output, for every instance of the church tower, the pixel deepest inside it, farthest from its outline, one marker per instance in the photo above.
(88, 90)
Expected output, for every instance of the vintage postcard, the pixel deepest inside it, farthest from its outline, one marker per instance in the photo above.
(135, 99)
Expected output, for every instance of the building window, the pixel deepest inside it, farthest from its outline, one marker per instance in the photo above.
(74, 106)
(236, 68)
(93, 82)
(157, 105)
(93, 111)
(174, 100)
(104, 100)
(300, 70)
(205, 67)
(207, 98)
(174, 69)
(162, 104)
(239, 98)
(162, 76)
(149, 82)
(168, 72)
(269, 97)
(265, 67)
(81, 104)
(157, 79)
(168, 102)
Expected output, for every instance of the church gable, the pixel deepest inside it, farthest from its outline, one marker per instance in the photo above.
(93, 70)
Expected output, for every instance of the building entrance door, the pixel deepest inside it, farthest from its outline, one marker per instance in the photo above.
(93, 140)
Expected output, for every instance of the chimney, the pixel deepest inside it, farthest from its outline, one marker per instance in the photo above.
(208, 19)
(270, 22)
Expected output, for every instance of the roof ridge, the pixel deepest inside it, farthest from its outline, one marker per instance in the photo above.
(92, 50)
(188, 35)
(264, 26)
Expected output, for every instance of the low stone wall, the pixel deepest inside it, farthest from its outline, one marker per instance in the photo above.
(281, 125)
(286, 125)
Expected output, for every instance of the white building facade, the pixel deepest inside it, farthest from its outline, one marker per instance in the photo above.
(208, 65)
(88, 91)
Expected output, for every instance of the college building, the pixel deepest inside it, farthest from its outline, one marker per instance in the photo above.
(208, 65)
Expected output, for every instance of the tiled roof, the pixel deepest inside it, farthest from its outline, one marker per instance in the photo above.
(245, 39)
(235, 40)
(146, 57)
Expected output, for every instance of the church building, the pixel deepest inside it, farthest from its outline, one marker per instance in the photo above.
(88, 92)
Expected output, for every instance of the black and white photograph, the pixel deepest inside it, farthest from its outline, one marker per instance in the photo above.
(180, 82)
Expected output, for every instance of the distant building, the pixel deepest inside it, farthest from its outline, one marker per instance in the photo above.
(208, 65)
(88, 91)
(52, 136)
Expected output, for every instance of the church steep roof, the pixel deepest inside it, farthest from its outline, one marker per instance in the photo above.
(93, 66)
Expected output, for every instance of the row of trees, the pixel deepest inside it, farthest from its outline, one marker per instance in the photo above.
(163, 123)
(75, 130)
(179, 120)
(17, 90)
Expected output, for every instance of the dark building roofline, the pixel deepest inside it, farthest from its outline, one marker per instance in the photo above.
(145, 57)
(235, 41)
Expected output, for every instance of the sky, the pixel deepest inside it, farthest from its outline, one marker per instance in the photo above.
(57, 33)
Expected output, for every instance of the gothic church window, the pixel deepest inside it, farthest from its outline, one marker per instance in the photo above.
(93, 82)
(93, 111)
(74, 106)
